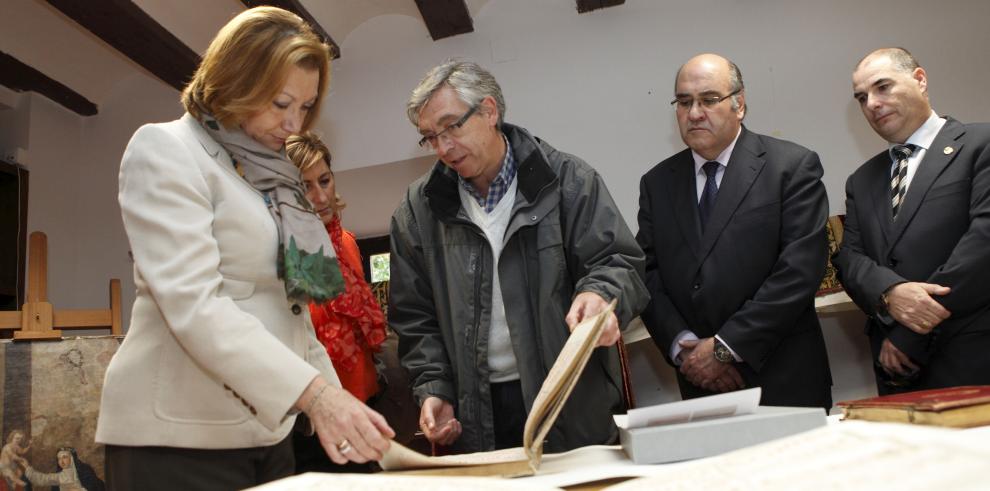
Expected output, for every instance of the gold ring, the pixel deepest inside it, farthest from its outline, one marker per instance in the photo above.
(344, 446)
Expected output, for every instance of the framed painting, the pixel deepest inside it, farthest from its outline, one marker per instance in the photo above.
(48, 417)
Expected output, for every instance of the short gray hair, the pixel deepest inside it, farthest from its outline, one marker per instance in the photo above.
(735, 83)
(471, 83)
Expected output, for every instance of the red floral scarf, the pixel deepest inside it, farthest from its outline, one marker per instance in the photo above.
(351, 323)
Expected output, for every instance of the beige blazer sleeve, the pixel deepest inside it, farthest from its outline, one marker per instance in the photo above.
(205, 251)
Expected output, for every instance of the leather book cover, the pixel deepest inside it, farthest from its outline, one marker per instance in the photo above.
(927, 400)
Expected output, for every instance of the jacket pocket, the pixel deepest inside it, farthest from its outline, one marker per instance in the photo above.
(184, 393)
(236, 289)
(948, 189)
(758, 213)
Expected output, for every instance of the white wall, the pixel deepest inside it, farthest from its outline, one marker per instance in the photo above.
(598, 84)
(53, 161)
(73, 163)
(376, 191)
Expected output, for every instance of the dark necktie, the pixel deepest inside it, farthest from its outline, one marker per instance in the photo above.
(898, 178)
(707, 202)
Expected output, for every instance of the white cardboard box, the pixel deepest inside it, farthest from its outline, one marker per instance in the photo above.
(704, 438)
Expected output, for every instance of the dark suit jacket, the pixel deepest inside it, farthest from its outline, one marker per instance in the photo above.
(941, 235)
(751, 277)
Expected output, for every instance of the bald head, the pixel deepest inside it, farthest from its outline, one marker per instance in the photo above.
(892, 92)
(719, 66)
(710, 103)
(900, 59)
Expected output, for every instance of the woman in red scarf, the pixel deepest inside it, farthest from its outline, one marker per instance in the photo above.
(351, 326)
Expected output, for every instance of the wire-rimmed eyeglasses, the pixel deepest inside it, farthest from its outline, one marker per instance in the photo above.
(706, 101)
(430, 141)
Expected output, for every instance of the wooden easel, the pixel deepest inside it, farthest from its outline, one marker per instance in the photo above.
(37, 319)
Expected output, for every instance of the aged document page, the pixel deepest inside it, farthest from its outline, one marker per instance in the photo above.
(848, 455)
(313, 481)
(561, 378)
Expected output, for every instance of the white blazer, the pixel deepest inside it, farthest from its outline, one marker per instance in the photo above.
(215, 355)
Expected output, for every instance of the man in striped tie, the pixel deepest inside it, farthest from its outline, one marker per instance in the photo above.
(916, 250)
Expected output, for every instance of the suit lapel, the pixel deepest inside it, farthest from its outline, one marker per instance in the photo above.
(209, 144)
(682, 192)
(935, 161)
(880, 168)
(744, 166)
(215, 150)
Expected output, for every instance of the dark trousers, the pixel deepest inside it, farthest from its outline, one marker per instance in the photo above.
(168, 468)
(510, 414)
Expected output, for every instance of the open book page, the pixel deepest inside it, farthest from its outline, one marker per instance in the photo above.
(560, 380)
(849, 455)
(715, 406)
(400, 457)
(313, 481)
(588, 464)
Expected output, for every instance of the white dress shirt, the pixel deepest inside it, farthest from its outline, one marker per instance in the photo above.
(700, 179)
(922, 138)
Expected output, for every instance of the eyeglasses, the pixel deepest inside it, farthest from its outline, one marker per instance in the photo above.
(430, 141)
(706, 102)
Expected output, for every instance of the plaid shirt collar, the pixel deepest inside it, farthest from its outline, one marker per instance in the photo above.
(499, 186)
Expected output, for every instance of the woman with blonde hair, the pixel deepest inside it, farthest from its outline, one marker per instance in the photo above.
(220, 355)
(352, 325)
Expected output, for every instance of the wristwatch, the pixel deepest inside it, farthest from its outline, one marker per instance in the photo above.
(722, 352)
(882, 306)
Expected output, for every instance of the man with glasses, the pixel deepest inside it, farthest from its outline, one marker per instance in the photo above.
(497, 252)
(733, 228)
(916, 251)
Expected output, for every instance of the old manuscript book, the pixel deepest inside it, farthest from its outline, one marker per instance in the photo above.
(957, 407)
(519, 461)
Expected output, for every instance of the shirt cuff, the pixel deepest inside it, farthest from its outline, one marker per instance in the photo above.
(675, 348)
(734, 355)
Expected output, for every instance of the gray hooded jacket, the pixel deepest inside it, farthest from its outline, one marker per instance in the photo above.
(565, 236)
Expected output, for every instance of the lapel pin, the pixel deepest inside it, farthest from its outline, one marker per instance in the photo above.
(948, 150)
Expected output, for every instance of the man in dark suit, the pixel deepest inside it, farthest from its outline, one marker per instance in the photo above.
(734, 234)
(916, 249)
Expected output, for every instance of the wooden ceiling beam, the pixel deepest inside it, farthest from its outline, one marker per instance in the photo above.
(128, 29)
(20, 77)
(296, 7)
(589, 5)
(445, 18)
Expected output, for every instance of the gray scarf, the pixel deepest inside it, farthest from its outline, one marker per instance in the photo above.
(307, 261)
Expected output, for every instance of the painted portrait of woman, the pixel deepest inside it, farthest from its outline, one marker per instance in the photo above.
(72, 475)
